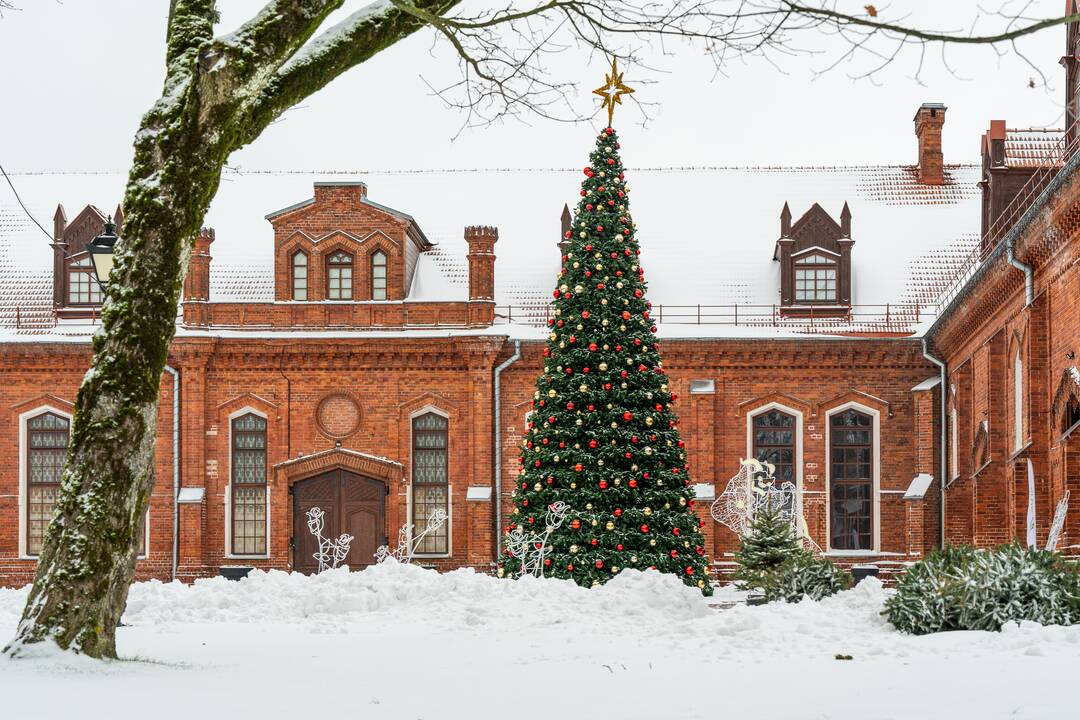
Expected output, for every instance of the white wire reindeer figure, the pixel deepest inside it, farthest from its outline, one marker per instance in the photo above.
(407, 542)
(331, 553)
(533, 549)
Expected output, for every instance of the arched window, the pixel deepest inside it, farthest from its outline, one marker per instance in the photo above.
(299, 276)
(774, 442)
(430, 479)
(249, 485)
(1018, 401)
(851, 480)
(378, 275)
(815, 279)
(339, 276)
(83, 287)
(46, 446)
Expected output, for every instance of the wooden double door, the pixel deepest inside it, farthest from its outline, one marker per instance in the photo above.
(352, 504)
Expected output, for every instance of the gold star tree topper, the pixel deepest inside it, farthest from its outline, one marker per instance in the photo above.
(612, 90)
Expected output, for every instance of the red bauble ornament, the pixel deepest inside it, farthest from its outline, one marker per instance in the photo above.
(593, 346)
(570, 405)
(689, 571)
(628, 416)
(618, 512)
(578, 468)
(585, 314)
(592, 443)
(599, 564)
(674, 553)
(632, 483)
(575, 524)
(644, 528)
(603, 484)
(619, 546)
(674, 531)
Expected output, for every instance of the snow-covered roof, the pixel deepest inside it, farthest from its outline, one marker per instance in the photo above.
(707, 234)
(1033, 147)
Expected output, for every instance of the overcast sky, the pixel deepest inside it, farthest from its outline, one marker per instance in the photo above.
(77, 75)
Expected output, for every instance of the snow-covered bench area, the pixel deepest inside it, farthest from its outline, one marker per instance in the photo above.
(398, 641)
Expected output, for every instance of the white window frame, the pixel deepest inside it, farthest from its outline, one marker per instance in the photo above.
(228, 486)
(797, 414)
(449, 486)
(875, 486)
(24, 468)
(1018, 401)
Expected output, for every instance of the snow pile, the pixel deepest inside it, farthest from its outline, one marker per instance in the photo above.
(398, 641)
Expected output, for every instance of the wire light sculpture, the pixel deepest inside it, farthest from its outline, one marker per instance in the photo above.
(533, 549)
(754, 489)
(408, 543)
(1058, 522)
(331, 553)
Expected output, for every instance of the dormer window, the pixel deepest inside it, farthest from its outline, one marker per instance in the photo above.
(815, 263)
(378, 275)
(299, 276)
(339, 276)
(815, 279)
(83, 287)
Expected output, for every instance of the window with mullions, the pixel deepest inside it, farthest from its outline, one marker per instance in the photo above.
(46, 446)
(378, 276)
(851, 458)
(815, 279)
(299, 276)
(339, 267)
(430, 480)
(83, 287)
(774, 442)
(249, 485)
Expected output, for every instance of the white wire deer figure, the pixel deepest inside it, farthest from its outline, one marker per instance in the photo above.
(331, 552)
(533, 549)
(407, 542)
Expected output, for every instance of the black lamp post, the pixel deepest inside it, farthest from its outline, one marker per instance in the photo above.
(101, 252)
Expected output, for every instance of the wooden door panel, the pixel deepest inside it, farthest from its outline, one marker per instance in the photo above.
(365, 525)
(352, 504)
(320, 491)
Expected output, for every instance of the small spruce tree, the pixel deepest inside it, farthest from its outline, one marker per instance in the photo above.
(769, 544)
(603, 436)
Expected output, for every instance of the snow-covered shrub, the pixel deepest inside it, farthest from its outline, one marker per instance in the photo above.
(805, 576)
(964, 588)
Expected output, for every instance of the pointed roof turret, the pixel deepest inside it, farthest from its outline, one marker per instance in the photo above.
(118, 218)
(785, 221)
(845, 221)
(59, 223)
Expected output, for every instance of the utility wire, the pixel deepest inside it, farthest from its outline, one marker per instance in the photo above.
(23, 205)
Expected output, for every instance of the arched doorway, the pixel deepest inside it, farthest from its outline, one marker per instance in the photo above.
(353, 504)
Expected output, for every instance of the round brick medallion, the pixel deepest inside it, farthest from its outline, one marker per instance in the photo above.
(338, 415)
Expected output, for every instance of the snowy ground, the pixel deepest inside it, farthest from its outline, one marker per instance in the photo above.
(405, 643)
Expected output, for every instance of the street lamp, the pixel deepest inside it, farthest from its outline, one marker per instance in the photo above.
(101, 252)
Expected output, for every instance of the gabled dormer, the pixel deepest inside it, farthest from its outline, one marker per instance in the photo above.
(339, 246)
(815, 262)
(76, 293)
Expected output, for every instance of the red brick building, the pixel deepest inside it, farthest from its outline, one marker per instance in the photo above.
(338, 355)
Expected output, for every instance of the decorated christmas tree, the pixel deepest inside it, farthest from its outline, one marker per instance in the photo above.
(603, 436)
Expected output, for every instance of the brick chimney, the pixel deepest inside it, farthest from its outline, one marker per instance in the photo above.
(928, 123)
(481, 239)
(197, 281)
